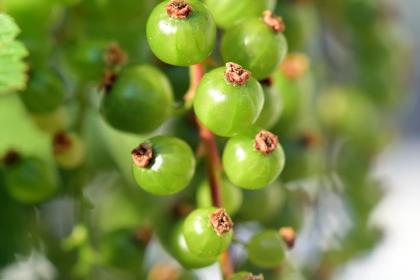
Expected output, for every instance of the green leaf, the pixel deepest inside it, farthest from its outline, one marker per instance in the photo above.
(12, 68)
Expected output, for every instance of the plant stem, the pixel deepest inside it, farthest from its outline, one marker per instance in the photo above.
(208, 142)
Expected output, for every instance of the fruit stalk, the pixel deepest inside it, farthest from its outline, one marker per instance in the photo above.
(208, 141)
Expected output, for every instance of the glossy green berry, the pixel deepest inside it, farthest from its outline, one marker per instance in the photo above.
(253, 162)
(182, 253)
(231, 196)
(243, 275)
(28, 180)
(44, 92)
(230, 12)
(138, 101)
(208, 231)
(124, 248)
(228, 100)
(163, 165)
(257, 44)
(69, 150)
(273, 106)
(266, 249)
(181, 32)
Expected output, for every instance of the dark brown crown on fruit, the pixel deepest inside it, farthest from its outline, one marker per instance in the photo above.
(11, 157)
(108, 80)
(115, 55)
(289, 236)
(142, 155)
(61, 142)
(276, 23)
(221, 221)
(266, 142)
(254, 277)
(179, 9)
(142, 235)
(236, 74)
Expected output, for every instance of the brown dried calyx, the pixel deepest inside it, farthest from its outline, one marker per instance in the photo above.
(108, 80)
(266, 142)
(142, 155)
(115, 55)
(276, 23)
(289, 236)
(61, 142)
(254, 277)
(11, 157)
(295, 65)
(221, 221)
(143, 235)
(179, 9)
(236, 74)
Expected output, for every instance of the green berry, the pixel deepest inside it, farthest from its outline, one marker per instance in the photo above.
(257, 44)
(266, 249)
(253, 162)
(181, 32)
(163, 165)
(28, 180)
(243, 275)
(124, 248)
(138, 101)
(182, 253)
(230, 12)
(273, 106)
(228, 100)
(231, 196)
(69, 150)
(208, 231)
(44, 92)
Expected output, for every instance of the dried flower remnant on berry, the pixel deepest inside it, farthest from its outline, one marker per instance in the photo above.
(164, 271)
(61, 142)
(221, 221)
(236, 74)
(11, 157)
(276, 23)
(142, 235)
(108, 80)
(115, 55)
(178, 9)
(266, 142)
(142, 155)
(289, 236)
(295, 65)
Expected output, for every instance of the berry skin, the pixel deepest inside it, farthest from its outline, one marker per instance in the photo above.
(253, 162)
(44, 93)
(29, 180)
(183, 255)
(163, 165)
(256, 46)
(138, 101)
(266, 249)
(230, 12)
(228, 100)
(231, 196)
(273, 106)
(69, 150)
(124, 248)
(208, 231)
(181, 32)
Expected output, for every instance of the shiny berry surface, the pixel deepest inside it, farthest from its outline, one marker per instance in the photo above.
(168, 170)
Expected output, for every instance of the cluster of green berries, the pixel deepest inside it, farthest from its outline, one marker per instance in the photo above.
(235, 101)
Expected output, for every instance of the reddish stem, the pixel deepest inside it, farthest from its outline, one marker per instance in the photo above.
(208, 142)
